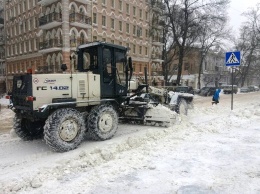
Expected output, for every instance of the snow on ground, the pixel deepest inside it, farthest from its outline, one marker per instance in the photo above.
(212, 150)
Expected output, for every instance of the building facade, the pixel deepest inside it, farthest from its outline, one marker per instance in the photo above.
(2, 50)
(43, 34)
(213, 72)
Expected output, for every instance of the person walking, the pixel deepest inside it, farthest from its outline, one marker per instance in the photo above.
(215, 98)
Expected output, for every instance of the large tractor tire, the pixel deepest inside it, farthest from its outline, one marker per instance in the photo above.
(182, 107)
(64, 129)
(26, 129)
(102, 122)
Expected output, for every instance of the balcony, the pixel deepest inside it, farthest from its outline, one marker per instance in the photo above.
(49, 21)
(46, 2)
(50, 45)
(157, 41)
(156, 58)
(80, 20)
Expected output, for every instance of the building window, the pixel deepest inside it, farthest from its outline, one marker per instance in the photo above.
(20, 48)
(30, 46)
(139, 32)
(120, 26)
(94, 38)
(19, 9)
(112, 23)
(20, 28)
(24, 26)
(134, 11)
(16, 49)
(25, 46)
(103, 20)
(104, 39)
(146, 33)
(113, 3)
(103, 2)
(28, 4)
(141, 13)
(146, 15)
(146, 51)
(140, 50)
(29, 24)
(186, 66)
(133, 49)
(120, 5)
(112, 41)
(94, 18)
(15, 33)
(127, 28)
(24, 5)
(127, 8)
(15, 12)
(35, 22)
(35, 44)
(134, 30)
(82, 38)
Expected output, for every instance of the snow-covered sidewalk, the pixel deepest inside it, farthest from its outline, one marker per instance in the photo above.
(213, 150)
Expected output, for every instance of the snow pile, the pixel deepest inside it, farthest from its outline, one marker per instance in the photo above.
(4, 101)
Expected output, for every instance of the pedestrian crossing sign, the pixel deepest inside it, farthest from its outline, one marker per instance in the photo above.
(233, 58)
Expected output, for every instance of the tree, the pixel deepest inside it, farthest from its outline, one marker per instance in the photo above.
(212, 32)
(249, 45)
(185, 18)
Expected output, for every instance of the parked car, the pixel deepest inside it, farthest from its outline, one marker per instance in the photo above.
(244, 90)
(184, 89)
(207, 91)
(251, 88)
(228, 89)
(256, 88)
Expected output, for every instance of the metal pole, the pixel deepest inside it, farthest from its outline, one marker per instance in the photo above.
(232, 80)
(145, 78)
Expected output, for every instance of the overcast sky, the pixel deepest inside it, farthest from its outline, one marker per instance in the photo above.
(237, 7)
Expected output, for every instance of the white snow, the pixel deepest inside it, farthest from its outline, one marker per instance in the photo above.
(212, 150)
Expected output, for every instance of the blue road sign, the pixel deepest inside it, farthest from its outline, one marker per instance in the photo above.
(233, 58)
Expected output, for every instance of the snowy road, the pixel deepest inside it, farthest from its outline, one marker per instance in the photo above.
(213, 150)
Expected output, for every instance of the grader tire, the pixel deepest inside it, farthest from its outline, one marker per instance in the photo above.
(182, 107)
(102, 122)
(26, 129)
(64, 129)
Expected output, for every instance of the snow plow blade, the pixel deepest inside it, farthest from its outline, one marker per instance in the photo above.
(160, 115)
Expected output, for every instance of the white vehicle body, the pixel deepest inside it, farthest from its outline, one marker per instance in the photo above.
(46, 87)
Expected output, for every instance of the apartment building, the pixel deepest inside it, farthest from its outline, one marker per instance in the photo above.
(43, 34)
(2, 50)
(2, 42)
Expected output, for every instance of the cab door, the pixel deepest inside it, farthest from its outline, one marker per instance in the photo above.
(108, 73)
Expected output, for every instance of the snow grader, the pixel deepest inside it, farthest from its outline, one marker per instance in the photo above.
(64, 107)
